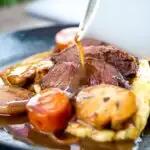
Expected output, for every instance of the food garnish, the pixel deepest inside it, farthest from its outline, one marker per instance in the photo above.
(13, 100)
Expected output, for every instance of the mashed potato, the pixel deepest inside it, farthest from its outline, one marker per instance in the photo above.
(141, 87)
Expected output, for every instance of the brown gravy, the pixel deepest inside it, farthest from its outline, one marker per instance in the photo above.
(19, 128)
(81, 51)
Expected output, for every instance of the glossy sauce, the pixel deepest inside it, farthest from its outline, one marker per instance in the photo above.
(20, 129)
(81, 51)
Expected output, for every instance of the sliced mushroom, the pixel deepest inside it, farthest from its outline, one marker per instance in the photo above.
(20, 74)
(13, 100)
(28, 70)
(24, 74)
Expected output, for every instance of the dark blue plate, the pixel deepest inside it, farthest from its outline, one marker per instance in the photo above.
(18, 45)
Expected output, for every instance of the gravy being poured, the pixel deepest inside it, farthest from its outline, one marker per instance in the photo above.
(81, 51)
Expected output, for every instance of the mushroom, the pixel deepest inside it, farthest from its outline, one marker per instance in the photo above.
(13, 100)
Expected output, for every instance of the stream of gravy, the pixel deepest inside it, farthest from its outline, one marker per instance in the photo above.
(81, 51)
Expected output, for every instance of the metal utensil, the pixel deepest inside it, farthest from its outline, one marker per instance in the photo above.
(124, 23)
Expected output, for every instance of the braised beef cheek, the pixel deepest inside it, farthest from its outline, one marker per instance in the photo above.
(92, 42)
(101, 72)
(66, 76)
(70, 54)
(124, 62)
(104, 64)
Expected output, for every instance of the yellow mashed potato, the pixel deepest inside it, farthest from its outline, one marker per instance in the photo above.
(141, 87)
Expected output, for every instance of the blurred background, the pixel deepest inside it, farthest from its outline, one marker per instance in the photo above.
(25, 14)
